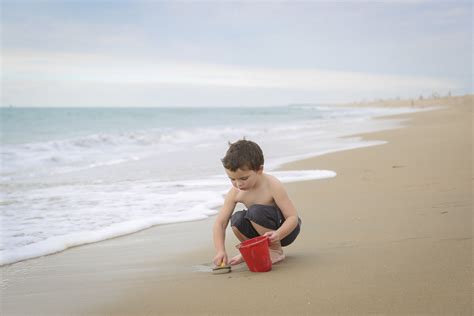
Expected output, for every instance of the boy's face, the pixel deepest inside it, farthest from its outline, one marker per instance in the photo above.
(244, 179)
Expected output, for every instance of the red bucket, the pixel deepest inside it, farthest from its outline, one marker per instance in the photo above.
(256, 253)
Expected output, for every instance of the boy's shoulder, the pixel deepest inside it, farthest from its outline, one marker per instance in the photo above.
(269, 176)
(272, 181)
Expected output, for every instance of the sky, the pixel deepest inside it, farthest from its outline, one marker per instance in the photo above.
(74, 53)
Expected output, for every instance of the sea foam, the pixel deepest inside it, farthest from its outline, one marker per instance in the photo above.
(68, 216)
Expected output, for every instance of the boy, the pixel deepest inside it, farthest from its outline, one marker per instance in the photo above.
(270, 211)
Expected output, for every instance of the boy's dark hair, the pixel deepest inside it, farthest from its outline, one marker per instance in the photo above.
(243, 154)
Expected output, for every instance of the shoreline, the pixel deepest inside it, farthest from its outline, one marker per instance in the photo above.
(387, 121)
(347, 259)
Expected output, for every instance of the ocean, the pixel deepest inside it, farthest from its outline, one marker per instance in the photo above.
(72, 176)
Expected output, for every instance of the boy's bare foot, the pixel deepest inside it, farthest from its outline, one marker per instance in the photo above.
(236, 260)
(276, 255)
(276, 252)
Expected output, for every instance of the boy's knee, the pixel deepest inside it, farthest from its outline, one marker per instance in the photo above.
(241, 225)
(237, 219)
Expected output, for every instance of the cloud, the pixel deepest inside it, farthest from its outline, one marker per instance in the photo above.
(102, 69)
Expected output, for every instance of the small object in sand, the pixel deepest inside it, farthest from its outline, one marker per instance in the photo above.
(221, 269)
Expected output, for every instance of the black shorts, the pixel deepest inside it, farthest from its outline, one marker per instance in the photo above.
(264, 215)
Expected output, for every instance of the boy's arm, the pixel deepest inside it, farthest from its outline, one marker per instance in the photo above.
(286, 206)
(222, 220)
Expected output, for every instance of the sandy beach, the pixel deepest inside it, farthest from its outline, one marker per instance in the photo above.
(391, 234)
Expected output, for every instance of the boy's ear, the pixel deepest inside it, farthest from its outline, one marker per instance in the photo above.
(260, 170)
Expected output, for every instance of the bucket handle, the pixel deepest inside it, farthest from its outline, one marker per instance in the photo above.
(240, 245)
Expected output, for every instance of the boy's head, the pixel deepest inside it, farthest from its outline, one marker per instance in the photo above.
(243, 154)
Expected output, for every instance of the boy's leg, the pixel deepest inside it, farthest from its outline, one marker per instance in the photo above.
(238, 221)
(241, 237)
(238, 258)
(245, 227)
(276, 251)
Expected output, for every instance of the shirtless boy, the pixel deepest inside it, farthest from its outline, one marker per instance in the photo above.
(270, 211)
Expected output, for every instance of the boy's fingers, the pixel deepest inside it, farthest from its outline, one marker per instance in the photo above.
(269, 235)
(220, 261)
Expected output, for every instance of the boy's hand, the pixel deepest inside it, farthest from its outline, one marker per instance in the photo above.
(219, 258)
(273, 236)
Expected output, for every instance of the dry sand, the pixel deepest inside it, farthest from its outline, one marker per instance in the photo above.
(391, 234)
